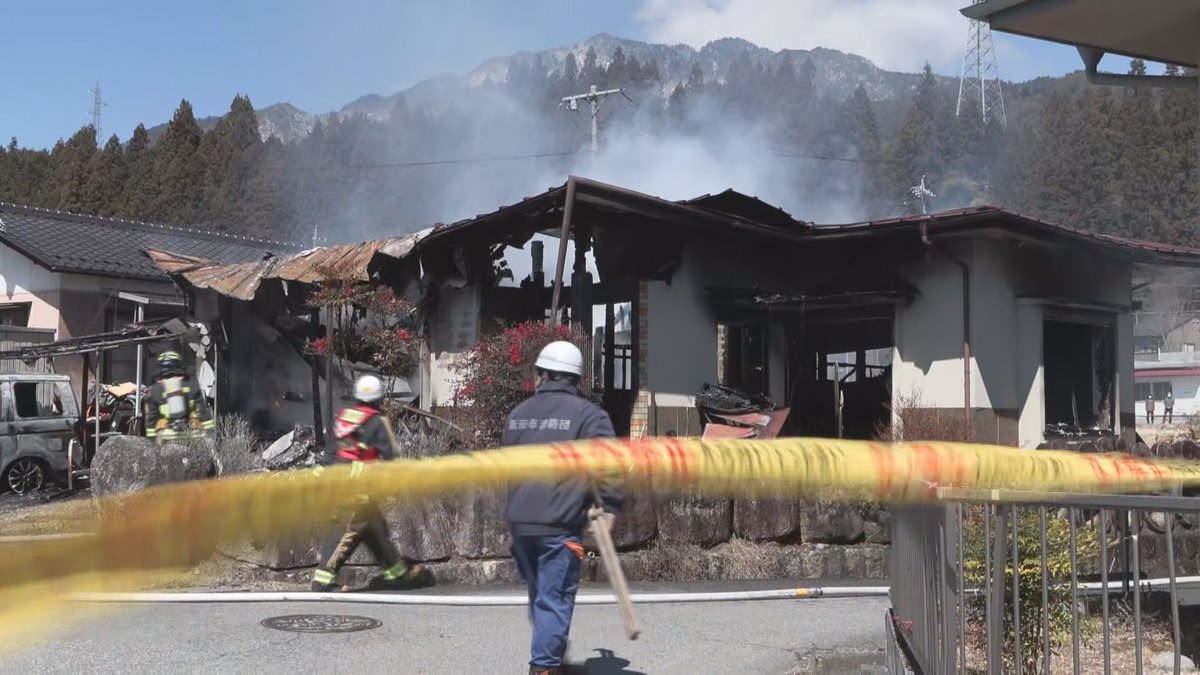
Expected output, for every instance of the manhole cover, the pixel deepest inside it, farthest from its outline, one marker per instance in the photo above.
(321, 623)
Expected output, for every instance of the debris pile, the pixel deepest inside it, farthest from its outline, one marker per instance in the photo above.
(296, 449)
(722, 400)
(736, 414)
(117, 406)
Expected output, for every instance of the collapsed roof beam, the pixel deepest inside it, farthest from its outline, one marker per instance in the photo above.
(1091, 63)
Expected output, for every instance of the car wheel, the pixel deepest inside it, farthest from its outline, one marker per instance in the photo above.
(25, 476)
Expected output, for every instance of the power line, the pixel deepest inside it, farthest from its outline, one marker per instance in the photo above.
(438, 162)
(793, 154)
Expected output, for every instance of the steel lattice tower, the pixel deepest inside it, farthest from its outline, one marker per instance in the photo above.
(980, 77)
(96, 107)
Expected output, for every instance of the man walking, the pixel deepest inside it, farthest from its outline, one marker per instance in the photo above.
(1169, 407)
(547, 521)
(363, 435)
(1150, 408)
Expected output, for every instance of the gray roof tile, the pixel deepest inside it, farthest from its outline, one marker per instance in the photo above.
(70, 242)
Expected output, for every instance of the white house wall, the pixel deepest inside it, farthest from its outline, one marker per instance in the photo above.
(22, 280)
(454, 327)
(1186, 391)
(683, 331)
(1012, 289)
(927, 359)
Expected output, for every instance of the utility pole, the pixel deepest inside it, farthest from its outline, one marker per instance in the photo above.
(922, 193)
(96, 106)
(593, 98)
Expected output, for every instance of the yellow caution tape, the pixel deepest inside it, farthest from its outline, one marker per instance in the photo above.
(174, 526)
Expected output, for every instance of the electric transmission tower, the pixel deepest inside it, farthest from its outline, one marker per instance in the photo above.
(593, 98)
(980, 77)
(99, 103)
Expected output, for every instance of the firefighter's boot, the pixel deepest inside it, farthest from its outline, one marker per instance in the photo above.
(546, 670)
(324, 581)
(402, 577)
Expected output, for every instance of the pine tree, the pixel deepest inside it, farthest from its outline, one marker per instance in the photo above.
(916, 151)
(179, 169)
(71, 170)
(141, 186)
(228, 154)
(1139, 167)
(1179, 113)
(862, 129)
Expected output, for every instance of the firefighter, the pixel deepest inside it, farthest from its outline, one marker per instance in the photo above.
(363, 435)
(547, 520)
(175, 409)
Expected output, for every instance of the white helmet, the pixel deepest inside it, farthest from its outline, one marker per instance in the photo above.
(561, 357)
(368, 389)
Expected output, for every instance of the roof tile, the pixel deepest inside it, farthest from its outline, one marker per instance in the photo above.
(70, 242)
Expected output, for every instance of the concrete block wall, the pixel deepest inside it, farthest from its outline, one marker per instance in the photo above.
(466, 540)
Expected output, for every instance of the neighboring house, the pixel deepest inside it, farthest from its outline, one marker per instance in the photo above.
(728, 287)
(1155, 332)
(1174, 372)
(67, 272)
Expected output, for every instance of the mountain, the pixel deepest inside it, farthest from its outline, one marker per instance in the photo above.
(283, 120)
(835, 74)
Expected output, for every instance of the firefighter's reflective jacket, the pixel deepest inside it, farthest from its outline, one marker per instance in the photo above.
(362, 435)
(176, 411)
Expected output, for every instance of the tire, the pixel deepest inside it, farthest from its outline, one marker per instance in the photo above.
(25, 476)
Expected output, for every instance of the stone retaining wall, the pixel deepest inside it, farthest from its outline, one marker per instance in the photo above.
(466, 540)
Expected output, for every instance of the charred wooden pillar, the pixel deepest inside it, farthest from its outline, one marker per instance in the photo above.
(610, 347)
(314, 321)
(581, 283)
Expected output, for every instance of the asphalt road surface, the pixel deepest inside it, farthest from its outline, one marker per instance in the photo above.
(770, 637)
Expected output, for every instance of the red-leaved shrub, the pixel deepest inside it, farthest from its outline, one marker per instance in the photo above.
(498, 372)
(372, 325)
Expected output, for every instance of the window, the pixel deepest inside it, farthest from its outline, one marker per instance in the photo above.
(15, 314)
(38, 400)
(1158, 389)
(1146, 345)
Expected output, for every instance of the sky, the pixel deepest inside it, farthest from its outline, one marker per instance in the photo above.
(320, 55)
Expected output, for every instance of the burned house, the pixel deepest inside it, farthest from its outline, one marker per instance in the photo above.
(1006, 322)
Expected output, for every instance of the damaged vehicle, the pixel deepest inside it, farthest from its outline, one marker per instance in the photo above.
(39, 420)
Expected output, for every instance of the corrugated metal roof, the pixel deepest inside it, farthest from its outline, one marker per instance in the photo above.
(241, 280)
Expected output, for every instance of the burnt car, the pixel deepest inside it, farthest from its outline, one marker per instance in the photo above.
(39, 417)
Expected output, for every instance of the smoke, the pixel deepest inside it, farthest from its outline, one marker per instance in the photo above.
(641, 149)
(703, 147)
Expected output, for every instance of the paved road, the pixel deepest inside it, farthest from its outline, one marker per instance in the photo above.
(719, 638)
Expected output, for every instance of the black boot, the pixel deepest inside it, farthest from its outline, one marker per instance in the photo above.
(542, 670)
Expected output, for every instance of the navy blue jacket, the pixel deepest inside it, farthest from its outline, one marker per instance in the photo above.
(556, 413)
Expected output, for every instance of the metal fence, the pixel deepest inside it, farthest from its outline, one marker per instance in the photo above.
(16, 337)
(932, 605)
